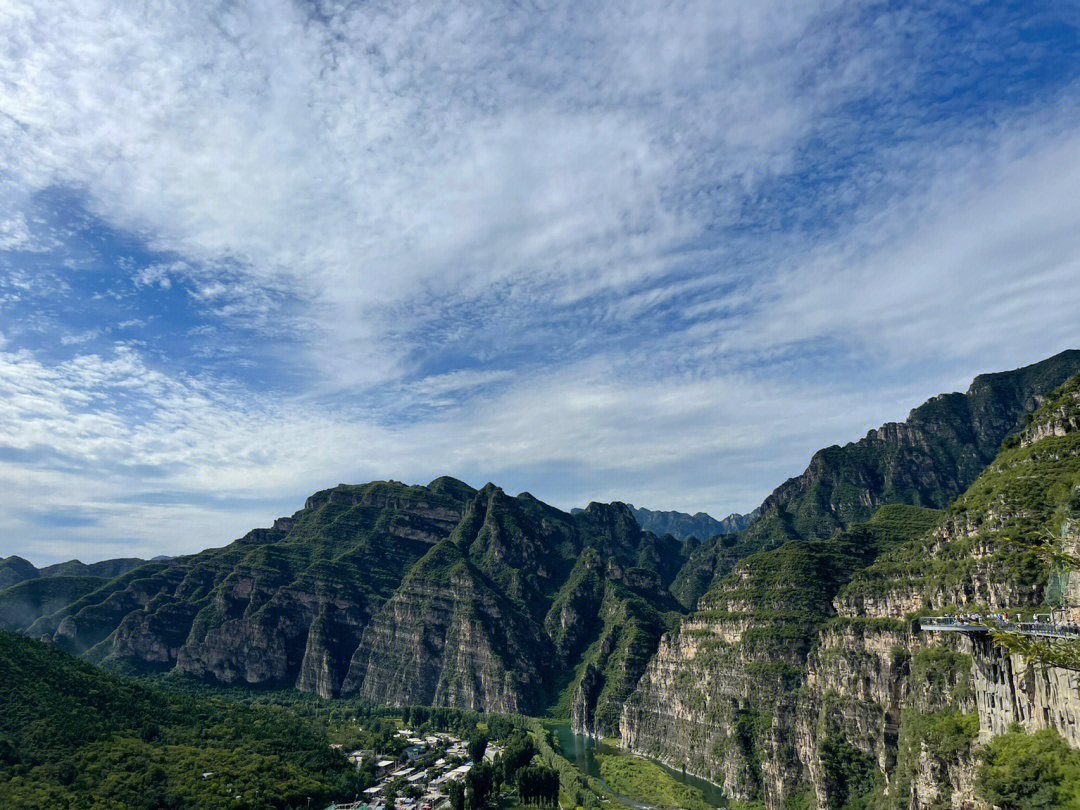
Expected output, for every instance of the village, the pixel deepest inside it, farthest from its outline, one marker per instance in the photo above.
(418, 777)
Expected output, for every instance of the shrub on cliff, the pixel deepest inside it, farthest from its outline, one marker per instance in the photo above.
(1030, 772)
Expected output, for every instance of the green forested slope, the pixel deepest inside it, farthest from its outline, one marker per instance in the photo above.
(927, 460)
(73, 736)
(981, 555)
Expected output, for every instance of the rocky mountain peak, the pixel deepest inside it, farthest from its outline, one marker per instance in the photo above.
(15, 569)
(1060, 416)
(451, 487)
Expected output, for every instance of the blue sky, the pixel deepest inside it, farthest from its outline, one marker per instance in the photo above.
(654, 252)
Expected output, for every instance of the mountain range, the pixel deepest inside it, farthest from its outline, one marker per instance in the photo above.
(683, 526)
(717, 654)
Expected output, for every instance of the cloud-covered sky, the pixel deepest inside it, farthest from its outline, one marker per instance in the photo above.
(654, 252)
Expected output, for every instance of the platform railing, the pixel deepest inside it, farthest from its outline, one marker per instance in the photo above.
(974, 624)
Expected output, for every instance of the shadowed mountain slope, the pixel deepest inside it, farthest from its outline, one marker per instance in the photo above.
(435, 594)
(682, 525)
(927, 460)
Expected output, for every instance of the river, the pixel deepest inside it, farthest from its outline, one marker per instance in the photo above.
(579, 749)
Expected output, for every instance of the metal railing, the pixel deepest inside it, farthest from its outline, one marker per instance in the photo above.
(981, 624)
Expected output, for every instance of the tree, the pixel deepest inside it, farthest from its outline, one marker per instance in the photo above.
(476, 746)
(849, 773)
(1043, 652)
(538, 784)
(391, 799)
(519, 753)
(1030, 772)
(478, 785)
(455, 792)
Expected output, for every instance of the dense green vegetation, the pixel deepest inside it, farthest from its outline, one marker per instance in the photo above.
(648, 782)
(538, 784)
(1030, 772)
(851, 777)
(926, 461)
(72, 736)
(1018, 501)
(944, 737)
(22, 603)
(791, 588)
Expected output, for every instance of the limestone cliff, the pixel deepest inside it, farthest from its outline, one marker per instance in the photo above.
(285, 605)
(447, 637)
(927, 460)
(774, 695)
(439, 594)
(723, 696)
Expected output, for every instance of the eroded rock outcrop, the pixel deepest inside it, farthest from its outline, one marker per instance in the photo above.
(927, 460)
(867, 704)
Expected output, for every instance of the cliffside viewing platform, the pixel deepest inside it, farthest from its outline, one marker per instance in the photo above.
(1042, 626)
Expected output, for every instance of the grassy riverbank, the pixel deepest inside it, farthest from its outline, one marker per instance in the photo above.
(648, 782)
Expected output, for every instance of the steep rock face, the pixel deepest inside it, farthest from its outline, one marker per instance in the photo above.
(631, 628)
(722, 696)
(683, 708)
(573, 619)
(282, 605)
(440, 594)
(919, 703)
(293, 610)
(798, 670)
(926, 461)
(500, 613)
(84, 624)
(879, 686)
(682, 525)
(331, 635)
(1009, 692)
(448, 638)
(974, 557)
(801, 671)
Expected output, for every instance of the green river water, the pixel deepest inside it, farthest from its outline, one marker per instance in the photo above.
(580, 750)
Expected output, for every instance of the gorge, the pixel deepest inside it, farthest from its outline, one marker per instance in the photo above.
(782, 660)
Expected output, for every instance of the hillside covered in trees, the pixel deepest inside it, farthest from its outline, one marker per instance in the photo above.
(73, 736)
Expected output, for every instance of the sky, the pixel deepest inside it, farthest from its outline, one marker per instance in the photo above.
(657, 252)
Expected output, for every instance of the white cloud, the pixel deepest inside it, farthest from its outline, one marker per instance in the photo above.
(380, 163)
(505, 242)
(80, 337)
(983, 262)
(95, 431)
(14, 235)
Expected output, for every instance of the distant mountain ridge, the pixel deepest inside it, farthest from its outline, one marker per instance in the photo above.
(927, 460)
(449, 595)
(682, 525)
(14, 570)
(436, 594)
